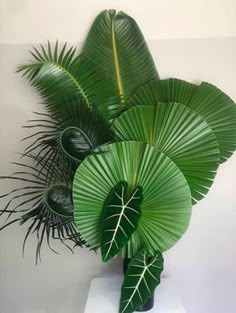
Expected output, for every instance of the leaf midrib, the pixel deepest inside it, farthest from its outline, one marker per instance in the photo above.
(122, 214)
(118, 224)
(75, 81)
(117, 65)
(146, 267)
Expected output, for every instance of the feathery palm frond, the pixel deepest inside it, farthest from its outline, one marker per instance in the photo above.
(62, 141)
(61, 76)
(46, 206)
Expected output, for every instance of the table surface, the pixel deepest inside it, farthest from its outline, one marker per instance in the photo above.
(104, 296)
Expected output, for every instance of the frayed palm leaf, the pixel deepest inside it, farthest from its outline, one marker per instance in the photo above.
(61, 75)
(47, 207)
(62, 141)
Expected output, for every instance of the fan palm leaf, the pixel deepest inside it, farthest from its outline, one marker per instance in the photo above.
(181, 134)
(116, 44)
(218, 109)
(166, 206)
(61, 76)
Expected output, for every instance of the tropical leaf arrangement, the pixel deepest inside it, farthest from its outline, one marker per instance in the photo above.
(119, 156)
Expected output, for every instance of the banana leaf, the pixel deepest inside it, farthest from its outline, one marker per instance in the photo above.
(116, 44)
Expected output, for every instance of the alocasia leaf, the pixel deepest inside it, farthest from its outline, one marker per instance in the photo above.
(120, 219)
(141, 279)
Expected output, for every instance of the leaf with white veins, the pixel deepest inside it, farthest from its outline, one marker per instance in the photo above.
(120, 219)
(141, 279)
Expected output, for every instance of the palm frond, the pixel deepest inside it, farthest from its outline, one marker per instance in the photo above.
(46, 206)
(181, 134)
(116, 44)
(218, 109)
(166, 206)
(60, 75)
(64, 142)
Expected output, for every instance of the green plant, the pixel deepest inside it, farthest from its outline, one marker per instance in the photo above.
(44, 204)
(116, 45)
(120, 156)
(166, 205)
(141, 279)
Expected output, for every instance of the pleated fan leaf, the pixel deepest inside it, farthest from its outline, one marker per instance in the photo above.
(141, 280)
(218, 109)
(166, 205)
(116, 44)
(121, 214)
(167, 90)
(181, 134)
(63, 78)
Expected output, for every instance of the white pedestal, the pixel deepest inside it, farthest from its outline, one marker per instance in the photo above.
(104, 296)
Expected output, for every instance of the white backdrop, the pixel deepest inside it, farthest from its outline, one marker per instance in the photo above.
(202, 264)
(24, 21)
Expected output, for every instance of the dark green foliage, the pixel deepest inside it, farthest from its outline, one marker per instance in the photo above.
(67, 141)
(59, 200)
(75, 142)
(44, 205)
(141, 279)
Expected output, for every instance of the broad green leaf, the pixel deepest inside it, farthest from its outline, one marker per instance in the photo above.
(166, 205)
(141, 279)
(116, 44)
(181, 134)
(120, 219)
(218, 109)
(64, 79)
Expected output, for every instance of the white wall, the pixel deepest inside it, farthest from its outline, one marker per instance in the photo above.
(202, 264)
(24, 21)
